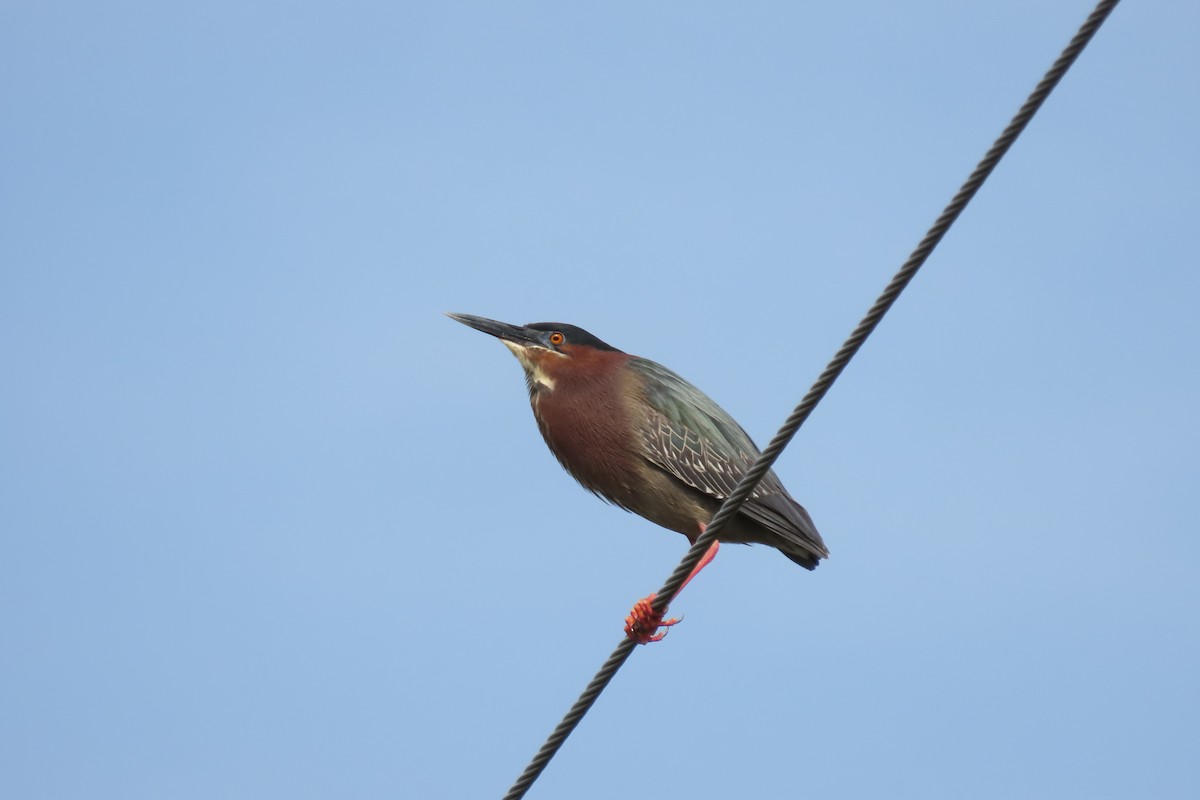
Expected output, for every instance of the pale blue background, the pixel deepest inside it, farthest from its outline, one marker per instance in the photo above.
(275, 528)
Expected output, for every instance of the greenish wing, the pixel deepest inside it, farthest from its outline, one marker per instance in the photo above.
(691, 437)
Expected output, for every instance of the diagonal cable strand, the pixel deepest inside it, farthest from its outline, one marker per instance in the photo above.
(737, 498)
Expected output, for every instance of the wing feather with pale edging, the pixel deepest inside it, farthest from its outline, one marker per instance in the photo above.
(691, 437)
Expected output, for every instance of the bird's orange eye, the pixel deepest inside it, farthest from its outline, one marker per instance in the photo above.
(557, 338)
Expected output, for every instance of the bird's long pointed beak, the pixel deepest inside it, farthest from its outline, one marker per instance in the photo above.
(518, 335)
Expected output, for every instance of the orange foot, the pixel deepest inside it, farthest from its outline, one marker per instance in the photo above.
(643, 621)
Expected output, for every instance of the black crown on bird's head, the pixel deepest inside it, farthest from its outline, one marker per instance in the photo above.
(574, 335)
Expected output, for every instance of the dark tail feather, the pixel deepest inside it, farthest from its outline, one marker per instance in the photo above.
(787, 527)
(803, 558)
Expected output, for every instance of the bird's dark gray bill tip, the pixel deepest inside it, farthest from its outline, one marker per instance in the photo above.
(478, 323)
(471, 321)
(492, 327)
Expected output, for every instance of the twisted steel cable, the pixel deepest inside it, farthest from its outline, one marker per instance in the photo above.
(734, 502)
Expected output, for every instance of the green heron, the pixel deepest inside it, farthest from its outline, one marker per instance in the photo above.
(639, 436)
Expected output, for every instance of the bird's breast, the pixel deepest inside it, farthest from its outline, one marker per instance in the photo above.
(587, 425)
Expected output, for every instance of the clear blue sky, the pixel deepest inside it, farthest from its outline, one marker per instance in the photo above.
(273, 527)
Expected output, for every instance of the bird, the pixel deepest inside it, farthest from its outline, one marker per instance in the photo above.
(642, 438)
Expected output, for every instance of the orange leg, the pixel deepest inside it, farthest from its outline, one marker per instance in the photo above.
(643, 622)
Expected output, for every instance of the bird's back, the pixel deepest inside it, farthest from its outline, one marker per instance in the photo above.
(687, 435)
